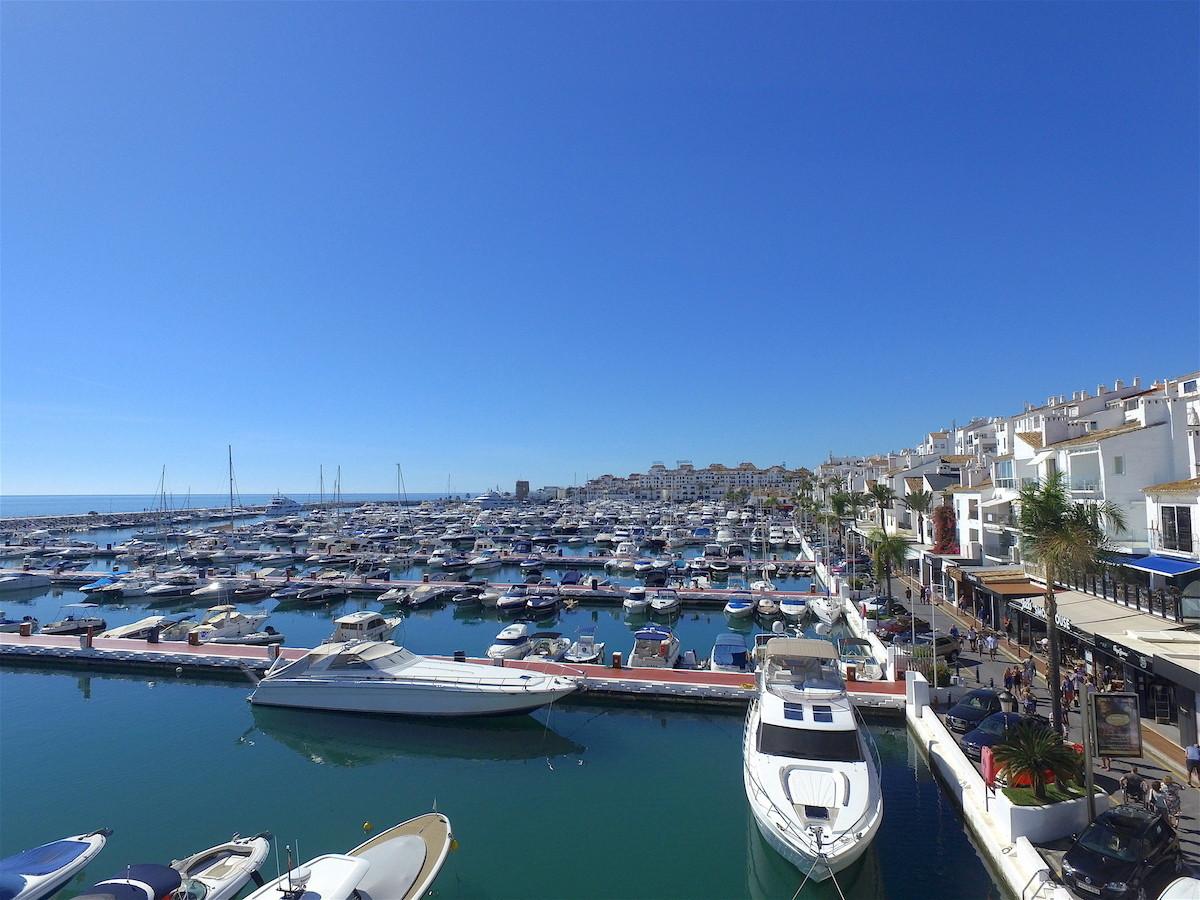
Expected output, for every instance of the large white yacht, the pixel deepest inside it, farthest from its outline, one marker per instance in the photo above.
(810, 773)
(376, 677)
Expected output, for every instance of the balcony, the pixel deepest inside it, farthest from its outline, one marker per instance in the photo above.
(1083, 486)
(1173, 543)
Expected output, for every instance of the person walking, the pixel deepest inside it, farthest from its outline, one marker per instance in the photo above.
(992, 646)
(1030, 669)
(973, 639)
(1030, 703)
(908, 594)
(1193, 762)
(1133, 786)
(1008, 679)
(1068, 692)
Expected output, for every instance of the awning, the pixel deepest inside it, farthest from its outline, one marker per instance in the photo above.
(1014, 588)
(1163, 565)
(995, 501)
(954, 572)
(1041, 456)
(1091, 615)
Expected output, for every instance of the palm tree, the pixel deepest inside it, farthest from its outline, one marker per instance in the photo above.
(919, 502)
(888, 552)
(1032, 750)
(883, 496)
(857, 501)
(1063, 537)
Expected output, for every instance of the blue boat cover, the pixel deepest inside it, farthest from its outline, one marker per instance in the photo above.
(652, 633)
(44, 859)
(161, 880)
(730, 650)
(1163, 565)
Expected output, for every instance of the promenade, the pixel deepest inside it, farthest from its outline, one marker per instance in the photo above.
(977, 670)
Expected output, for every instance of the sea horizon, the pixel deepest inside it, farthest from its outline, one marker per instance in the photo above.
(22, 505)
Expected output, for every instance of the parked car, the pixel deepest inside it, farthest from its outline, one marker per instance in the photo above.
(995, 729)
(947, 645)
(900, 625)
(1125, 853)
(882, 606)
(967, 713)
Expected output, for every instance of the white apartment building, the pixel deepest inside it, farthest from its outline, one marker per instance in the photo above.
(686, 483)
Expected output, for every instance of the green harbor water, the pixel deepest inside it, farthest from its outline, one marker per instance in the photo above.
(579, 801)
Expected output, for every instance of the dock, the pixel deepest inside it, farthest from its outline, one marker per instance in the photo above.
(676, 686)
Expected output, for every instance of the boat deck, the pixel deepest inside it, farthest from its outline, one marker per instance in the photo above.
(629, 685)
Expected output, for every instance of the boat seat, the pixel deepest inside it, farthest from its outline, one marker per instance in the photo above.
(11, 884)
(44, 859)
(395, 866)
(218, 866)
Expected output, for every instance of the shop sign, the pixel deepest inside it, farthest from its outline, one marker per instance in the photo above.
(1117, 724)
(1127, 656)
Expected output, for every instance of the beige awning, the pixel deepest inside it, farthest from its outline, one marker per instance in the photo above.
(1095, 616)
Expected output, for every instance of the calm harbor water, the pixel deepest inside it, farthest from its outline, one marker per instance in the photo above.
(581, 800)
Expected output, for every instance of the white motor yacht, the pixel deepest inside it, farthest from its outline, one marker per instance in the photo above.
(24, 581)
(810, 774)
(217, 589)
(511, 643)
(221, 625)
(487, 559)
(654, 647)
(364, 625)
(140, 629)
(401, 863)
(377, 677)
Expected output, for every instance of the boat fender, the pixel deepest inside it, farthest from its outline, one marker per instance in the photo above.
(662, 649)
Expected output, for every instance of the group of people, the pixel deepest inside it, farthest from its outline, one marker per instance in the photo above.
(1161, 794)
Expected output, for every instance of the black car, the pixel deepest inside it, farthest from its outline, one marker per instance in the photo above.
(972, 709)
(995, 729)
(1125, 853)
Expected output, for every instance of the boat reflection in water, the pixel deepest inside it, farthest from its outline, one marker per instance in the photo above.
(769, 876)
(349, 739)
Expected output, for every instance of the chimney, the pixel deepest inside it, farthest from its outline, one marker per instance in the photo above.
(1137, 381)
(1118, 385)
(1101, 390)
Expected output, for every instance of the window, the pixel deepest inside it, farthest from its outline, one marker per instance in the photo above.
(1176, 528)
(1118, 465)
(1189, 386)
(1004, 474)
(835, 746)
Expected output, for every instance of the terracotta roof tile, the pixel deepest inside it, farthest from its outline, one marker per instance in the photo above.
(1187, 486)
(1032, 438)
(969, 488)
(1104, 434)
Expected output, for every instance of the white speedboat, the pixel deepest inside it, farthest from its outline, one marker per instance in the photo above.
(12, 626)
(24, 581)
(767, 606)
(76, 618)
(636, 600)
(142, 628)
(664, 602)
(41, 871)
(226, 625)
(375, 677)
(514, 599)
(827, 609)
(810, 775)
(364, 625)
(511, 643)
(217, 589)
(739, 606)
(401, 863)
(586, 649)
(487, 559)
(793, 608)
(547, 646)
(654, 647)
(220, 872)
(394, 595)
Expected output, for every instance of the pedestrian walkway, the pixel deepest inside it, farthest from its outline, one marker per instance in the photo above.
(975, 669)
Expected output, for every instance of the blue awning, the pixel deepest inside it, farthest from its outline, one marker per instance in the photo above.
(1164, 565)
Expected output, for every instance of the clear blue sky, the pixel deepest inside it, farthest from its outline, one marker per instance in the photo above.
(547, 241)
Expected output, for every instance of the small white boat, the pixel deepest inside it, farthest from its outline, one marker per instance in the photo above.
(739, 606)
(40, 871)
(380, 678)
(487, 559)
(364, 625)
(12, 626)
(664, 602)
(654, 647)
(636, 600)
(226, 625)
(768, 606)
(76, 618)
(511, 643)
(217, 589)
(394, 595)
(220, 872)
(513, 600)
(548, 646)
(586, 649)
(793, 608)
(24, 581)
(401, 863)
(489, 598)
(827, 609)
(855, 654)
(142, 628)
(729, 654)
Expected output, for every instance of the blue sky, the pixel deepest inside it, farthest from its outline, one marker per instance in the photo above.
(549, 241)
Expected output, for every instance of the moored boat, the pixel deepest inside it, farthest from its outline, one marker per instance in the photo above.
(41, 871)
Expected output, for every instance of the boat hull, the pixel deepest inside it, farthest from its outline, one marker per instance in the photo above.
(416, 701)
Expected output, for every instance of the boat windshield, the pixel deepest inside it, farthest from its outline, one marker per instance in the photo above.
(191, 890)
(803, 672)
(511, 641)
(808, 743)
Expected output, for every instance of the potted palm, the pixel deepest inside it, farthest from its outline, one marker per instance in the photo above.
(1033, 753)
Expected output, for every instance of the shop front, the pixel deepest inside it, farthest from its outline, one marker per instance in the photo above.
(1156, 695)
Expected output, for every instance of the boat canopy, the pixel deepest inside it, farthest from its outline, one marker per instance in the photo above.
(730, 650)
(362, 658)
(652, 633)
